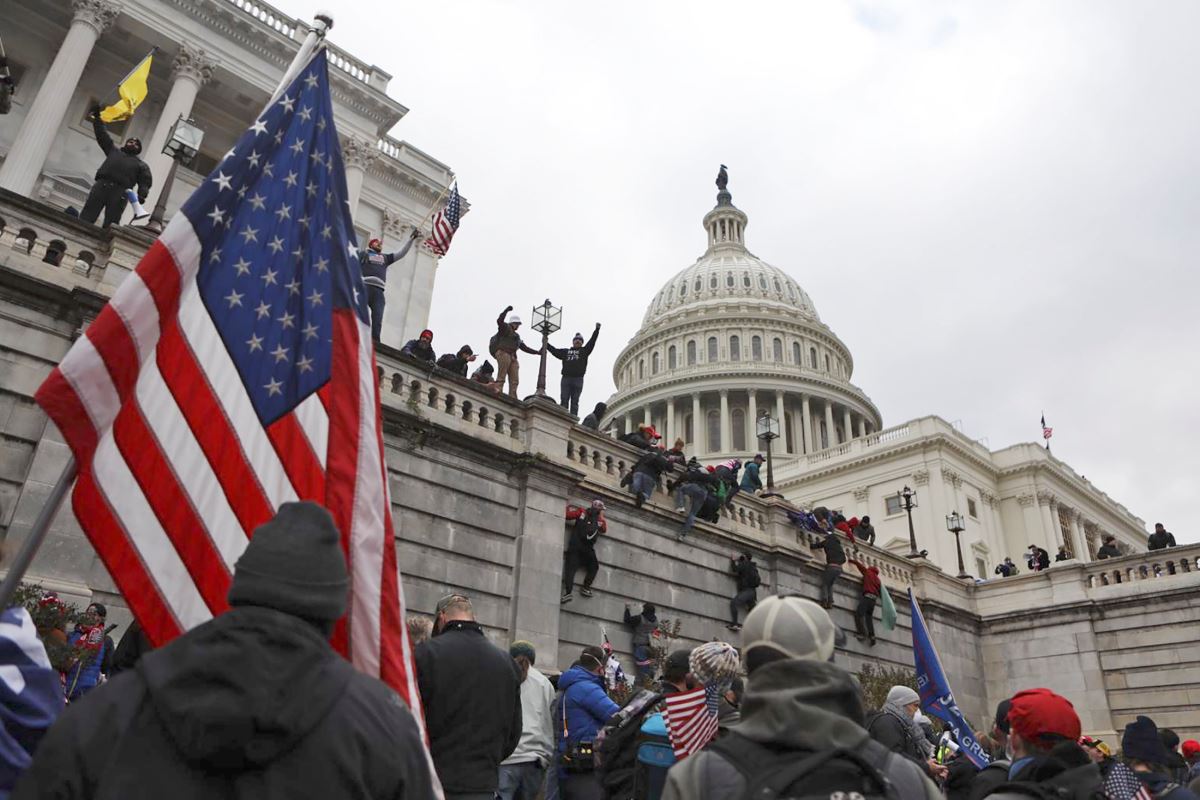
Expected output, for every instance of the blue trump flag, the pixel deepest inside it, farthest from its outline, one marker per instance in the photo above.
(936, 697)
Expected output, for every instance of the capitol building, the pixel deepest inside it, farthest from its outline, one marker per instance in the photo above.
(732, 338)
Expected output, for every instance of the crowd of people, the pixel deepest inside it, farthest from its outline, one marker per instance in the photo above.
(1038, 558)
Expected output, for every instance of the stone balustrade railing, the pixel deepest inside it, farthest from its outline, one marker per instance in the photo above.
(1155, 565)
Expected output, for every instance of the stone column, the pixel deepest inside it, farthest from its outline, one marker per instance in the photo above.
(1048, 504)
(779, 412)
(862, 426)
(646, 415)
(847, 424)
(697, 443)
(806, 415)
(629, 426)
(358, 155)
(726, 427)
(42, 125)
(191, 70)
(829, 423)
(752, 413)
(672, 434)
(1078, 540)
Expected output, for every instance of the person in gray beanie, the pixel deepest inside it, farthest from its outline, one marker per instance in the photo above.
(893, 726)
(253, 703)
(797, 705)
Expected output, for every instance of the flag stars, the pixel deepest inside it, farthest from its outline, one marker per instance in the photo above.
(304, 364)
(258, 202)
(258, 127)
(230, 153)
(297, 146)
(288, 320)
(291, 179)
(298, 253)
(268, 170)
(315, 298)
(242, 266)
(273, 388)
(216, 215)
(288, 103)
(311, 80)
(293, 286)
(249, 235)
(268, 278)
(263, 311)
(321, 124)
(254, 342)
(327, 231)
(321, 264)
(303, 221)
(311, 189)
(306, 113)
(309, 331)
(317, 157)
(284, 212)
(253, 158)
(241, 192)
(280, 353)
(215, 256)
(278, 137)
(276, 245)
(234, 298)
(222, 180)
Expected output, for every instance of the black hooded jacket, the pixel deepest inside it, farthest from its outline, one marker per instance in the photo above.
(123, 169)
(253, 704)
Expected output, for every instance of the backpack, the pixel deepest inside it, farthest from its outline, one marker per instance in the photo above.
(492, 344)
(617, 744)
(772, 773)
(752, 576)
(655, 755)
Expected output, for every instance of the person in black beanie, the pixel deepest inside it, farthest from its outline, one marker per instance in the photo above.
(1145, 753)
(253, 703)
(575, 361)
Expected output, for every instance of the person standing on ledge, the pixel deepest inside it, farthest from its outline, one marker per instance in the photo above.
(575, 361)
(121, 171)
(504, 346)
(1161, 539)
(374, 263)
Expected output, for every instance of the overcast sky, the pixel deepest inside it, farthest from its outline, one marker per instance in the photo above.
(995, 205)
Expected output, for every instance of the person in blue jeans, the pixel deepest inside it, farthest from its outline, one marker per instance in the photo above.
(585, 707)
(694, 488)
(643, 625)
(646, 472)
(575, 361)
(374, 263)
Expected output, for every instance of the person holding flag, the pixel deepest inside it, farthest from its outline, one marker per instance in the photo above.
(120, 172)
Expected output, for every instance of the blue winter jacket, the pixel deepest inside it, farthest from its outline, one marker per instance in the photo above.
(82, 678)
(585, 703)
(750, 480)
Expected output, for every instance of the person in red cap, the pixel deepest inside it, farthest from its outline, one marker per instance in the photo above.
(1191, 754)
(374, 263)
(420, 348)
(643, 438)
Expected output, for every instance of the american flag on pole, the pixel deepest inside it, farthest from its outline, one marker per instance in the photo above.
(445, 223)
(692, 719)
(233, 372)
(1046, 431)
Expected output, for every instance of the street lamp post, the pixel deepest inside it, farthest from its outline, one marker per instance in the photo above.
(956, 525)
(908, 501)
(768, 428)
(546, 320)
(182, 145)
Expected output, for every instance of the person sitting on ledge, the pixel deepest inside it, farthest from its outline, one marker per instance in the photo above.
(457, 363)
(420, 348)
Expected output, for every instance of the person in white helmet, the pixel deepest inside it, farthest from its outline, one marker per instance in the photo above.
(504, 346)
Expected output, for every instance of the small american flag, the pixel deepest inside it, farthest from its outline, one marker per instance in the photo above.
(233, 372)
(1047, 432)
(445, 224)
(692, 719)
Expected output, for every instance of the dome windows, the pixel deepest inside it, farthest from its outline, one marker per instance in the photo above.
(671, 357)
(713, 424)
(735, 348)
(762, 282)
(712, 281)
(796, 354)
(746, 280)
(738, 424)
(654, 363)
(699, 285)
(789, 291)
(756, 348)
(812, 357)
(691, 355)
(683, 289)
(777, 287)
(777, 349)
(641, 369)
(712, 348)
(729, 280)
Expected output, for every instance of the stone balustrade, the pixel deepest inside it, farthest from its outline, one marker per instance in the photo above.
(1144, 566)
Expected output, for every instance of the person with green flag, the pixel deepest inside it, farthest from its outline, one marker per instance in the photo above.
(864, 612)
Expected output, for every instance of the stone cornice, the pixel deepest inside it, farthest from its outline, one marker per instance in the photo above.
(193, 63)
(933, 442)
(358, 153)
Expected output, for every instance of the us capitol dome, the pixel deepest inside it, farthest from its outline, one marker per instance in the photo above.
(731, 338)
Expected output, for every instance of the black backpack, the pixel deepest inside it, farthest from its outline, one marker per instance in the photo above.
(782, 774)
(752, 576)
(492, 344)
(617, 743)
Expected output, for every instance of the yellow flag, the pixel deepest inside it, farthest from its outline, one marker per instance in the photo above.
(132, 91)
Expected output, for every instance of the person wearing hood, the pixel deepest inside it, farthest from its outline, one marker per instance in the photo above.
(585, 707)
(485, 375)
(894, 726)
(373, 263)
(458, 362)
(1109, 549)
(504, 346)
(751, 482)
(420, 348)
(864, 612)
(1144, 752)
(592, 421)
(797, 703)
(865, 531)
(252, 703)
(120, 172)
(643, 626)
(575, 361)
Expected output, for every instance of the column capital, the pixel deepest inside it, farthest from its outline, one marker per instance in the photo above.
(99, 14)
(723, 392)
(358, 153)
(751, 392)
(394, 224)
(920, 477)
(193, 63)
(1046, 498)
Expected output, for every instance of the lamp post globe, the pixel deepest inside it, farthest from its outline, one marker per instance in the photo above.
(767, 427)
(956, 525)
(546, 320)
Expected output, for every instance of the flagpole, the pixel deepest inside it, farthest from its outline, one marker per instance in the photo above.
(440, 197)
(136, 67)
(37, 534)
(322, 24)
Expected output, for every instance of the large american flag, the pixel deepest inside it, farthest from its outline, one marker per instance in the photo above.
(692, 719)
(445, 223)
(232, 372)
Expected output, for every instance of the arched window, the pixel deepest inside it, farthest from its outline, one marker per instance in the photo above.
(712, 348)
(756, 348)
(699, 284)
(691, 355)
(762, 282)
(777, 349)
(687, 429)
(777, 287)
(729, 280)
(654, 363)
(735, 349)
(683, 289)
(746, 280)
(827, 362)
(796, 354)
(712, 281)
(713, 424)
(641, 369)
(738, 421)
(812, 357)
(671, 357)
